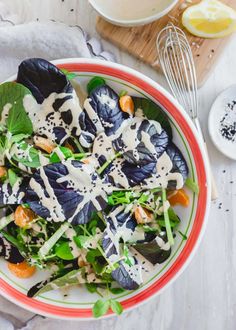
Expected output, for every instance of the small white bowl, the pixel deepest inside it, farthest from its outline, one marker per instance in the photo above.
(112, 11)
(222, 115)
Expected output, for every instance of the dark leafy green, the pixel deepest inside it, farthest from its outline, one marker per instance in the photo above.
(153, 251)
(154, 112)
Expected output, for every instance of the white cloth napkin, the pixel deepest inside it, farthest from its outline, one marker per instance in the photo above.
(21, 39)
(49, 40)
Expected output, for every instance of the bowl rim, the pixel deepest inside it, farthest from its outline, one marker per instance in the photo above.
(212, 122)
(134, 22)
(203, 173)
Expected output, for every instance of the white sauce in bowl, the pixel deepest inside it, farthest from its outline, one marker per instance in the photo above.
(131, 9)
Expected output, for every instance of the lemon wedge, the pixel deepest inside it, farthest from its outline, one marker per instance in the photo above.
(210, 19)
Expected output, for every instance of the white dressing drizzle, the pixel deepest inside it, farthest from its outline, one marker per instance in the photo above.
(51, 202)
(16, 196)
(45, 118)
(70, 234)
(162, 244)
(5, 112)
(93, 116)
(163, 175)
(127, 234)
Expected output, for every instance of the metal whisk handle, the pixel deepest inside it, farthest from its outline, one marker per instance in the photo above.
(214, 190)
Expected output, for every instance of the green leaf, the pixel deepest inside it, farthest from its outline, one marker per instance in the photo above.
(91, 287)
(6, 220)
(13, 240)
(154, 112)
(17, 138)
(92, 255)
(192, 185)
(3, 141)
(123, 93)
(95, 82)
(173, 218)
(69, 75)
(167, 220)
(80, 240)
(33, 160)
(18, 121)
(12, 95)
(117, 290)
(128, 260)
(48, 245)
(70, 278)
(183, 235)
(92, 224)
(100, 308)
(63, 251)
(149, 229)
(54, 158)
(12, 176)
(116, 306)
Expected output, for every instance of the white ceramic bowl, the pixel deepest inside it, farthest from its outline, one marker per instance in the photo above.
(222, 115)
(145, 12)
(78, 303)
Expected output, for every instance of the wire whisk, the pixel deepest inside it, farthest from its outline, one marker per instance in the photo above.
(177, 63)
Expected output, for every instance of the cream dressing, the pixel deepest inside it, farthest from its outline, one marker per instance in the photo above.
(93, 116)
(70, 234)
(5, 112)
(163, 175)
(92, 242)
(132, 9)
(117, 175)
(105, 99)
(7, 246)
(102, 145)
(85, 185)
(127, 234)
(45, 118)
(162, 244)
(51, 202)
(16, 196)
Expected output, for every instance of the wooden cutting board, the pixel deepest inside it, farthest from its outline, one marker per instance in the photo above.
(141, 41)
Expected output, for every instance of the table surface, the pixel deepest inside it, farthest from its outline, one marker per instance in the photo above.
(204, 296)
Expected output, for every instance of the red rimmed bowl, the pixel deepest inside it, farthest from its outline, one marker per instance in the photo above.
(78, 303)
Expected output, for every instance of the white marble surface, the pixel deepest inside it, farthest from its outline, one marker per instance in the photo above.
(204, 297)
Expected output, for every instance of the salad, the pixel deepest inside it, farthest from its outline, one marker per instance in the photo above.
(88, 188)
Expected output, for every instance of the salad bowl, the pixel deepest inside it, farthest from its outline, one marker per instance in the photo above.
(76, 302)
